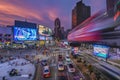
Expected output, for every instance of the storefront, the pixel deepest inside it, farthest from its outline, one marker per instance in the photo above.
(42, 42)
(1, 45)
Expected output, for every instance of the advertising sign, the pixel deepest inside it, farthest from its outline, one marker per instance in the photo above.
(49, 38)
(101, 51)
(76, 50)
(25, 33)
(42, 38)
(44, 31)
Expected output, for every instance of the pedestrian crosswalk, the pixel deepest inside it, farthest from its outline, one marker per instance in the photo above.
(53, 65)
(53, 54)
(56, 54)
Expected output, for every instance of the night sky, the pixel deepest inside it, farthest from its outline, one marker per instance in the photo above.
(43, 11)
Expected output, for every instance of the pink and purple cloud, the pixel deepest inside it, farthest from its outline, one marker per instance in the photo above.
(41, 11)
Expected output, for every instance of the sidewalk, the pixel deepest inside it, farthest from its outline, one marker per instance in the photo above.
(113, 62)
(84, 69)
(23, 67)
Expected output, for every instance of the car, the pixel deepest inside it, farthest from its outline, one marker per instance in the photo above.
(60, 57)
(61, 66)
(67, 58)
(70, 68)
(44, 62)
(46, 72)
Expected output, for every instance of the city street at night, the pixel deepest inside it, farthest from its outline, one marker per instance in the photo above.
(59, 39)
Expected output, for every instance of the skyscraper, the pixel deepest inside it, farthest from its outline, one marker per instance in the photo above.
(110, 6)
(63, 33)
(74, 17)
(57, 28)
(80, 13)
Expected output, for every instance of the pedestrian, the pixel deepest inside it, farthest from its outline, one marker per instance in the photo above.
(30, 75)
(3, 78)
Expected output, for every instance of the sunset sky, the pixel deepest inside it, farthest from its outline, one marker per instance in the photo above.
(43, 11)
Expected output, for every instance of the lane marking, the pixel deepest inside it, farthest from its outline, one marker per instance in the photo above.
(55, 76)
(68, 76)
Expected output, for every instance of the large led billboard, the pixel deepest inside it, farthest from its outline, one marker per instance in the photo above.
(44, 30)
(25, 33)
(101, 50)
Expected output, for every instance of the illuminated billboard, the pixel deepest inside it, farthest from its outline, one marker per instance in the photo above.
(101, 51)
(49, 32)
(25, 33)
(76, 50)
(42, 37)
(48, 38)
(44, 30)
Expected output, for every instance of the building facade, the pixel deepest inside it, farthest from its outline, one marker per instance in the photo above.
(110, 6)
(24, 33)
(80, 13)
(57, 29)
(74, 17)
(5, 35)
(63, 34)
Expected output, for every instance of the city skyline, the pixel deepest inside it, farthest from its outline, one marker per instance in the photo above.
(43, 11)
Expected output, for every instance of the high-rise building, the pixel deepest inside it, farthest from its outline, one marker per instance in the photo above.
(57, 28)
(67, 32)
(63, 34)
(80, 13)
(110, 6)
(74, 17)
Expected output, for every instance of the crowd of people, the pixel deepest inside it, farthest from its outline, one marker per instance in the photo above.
(15, 67)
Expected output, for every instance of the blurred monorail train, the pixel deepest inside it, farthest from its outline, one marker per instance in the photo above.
(99, 27)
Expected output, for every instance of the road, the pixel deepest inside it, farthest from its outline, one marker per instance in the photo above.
(96, 63)
(61, 75)
(52, 60)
